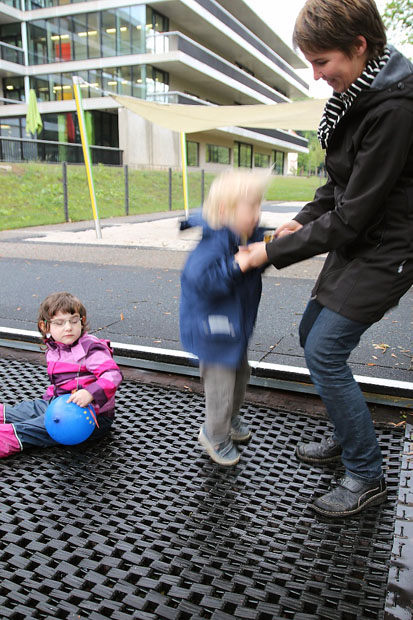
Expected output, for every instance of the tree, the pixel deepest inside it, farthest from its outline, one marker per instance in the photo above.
(313, 161)
(398, 18)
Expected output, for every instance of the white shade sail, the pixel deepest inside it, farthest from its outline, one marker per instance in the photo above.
(298, 115)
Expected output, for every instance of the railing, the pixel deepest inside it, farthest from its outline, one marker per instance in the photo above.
(11, 53)
(176, 96)
(5, 101)
(26, 149)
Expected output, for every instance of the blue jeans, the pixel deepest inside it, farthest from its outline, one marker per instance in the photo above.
(328, 339)
(28, 420)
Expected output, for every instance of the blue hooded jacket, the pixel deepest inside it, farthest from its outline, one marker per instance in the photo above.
(219, 303)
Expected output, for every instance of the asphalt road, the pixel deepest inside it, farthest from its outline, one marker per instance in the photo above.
(132, 296)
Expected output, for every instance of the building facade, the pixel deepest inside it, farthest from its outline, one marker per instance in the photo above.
(204, 52)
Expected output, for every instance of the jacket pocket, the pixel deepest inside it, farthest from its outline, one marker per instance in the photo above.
(220, 328)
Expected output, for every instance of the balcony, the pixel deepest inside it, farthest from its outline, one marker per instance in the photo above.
(169, 42)
(237, 27)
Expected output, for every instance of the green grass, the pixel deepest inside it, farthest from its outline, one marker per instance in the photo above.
(293, 189)
(32, 193)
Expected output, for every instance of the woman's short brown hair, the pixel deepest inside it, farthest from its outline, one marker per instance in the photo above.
(324, 25)
(60, 302)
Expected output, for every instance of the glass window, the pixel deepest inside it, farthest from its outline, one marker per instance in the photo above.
(11, 34)
(95, 79)
(57, 87)
(80, 37)
(13, 88)
(110, 80)
(137, 22)
(42, 87)
(124, 31)
(243, 155)
(192, 153)
(139, 81)
(161, 81)
(109, 33)
(93, 35)
(60, 42)
(157, 81)
(67, 86)
(125, 81)
(155, 23)
(261, 160)
(10, 127)
(84, 88)
(279, 162)
(218, 154)
(38, 42)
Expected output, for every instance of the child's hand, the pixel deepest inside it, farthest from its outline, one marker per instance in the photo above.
(242, 258)
(83, 398)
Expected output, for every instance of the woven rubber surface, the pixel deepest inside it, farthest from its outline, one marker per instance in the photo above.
(143, 526)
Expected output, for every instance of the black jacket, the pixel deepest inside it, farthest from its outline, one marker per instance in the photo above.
(363, 215)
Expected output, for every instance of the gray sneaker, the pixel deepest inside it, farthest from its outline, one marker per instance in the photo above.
(239, 430)
(224, 453)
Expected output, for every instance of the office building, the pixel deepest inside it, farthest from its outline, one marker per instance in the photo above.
(203, 52)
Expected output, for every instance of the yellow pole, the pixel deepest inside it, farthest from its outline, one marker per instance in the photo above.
(184, 173)
(86, 152)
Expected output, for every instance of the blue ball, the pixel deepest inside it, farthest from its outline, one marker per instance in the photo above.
(67, 423)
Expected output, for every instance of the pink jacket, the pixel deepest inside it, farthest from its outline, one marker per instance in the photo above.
(88, 364)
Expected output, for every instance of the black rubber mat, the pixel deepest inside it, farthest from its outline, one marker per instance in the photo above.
(143, 526)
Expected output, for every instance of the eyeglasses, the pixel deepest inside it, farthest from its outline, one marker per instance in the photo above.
(74, 320)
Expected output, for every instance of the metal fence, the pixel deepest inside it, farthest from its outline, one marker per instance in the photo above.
(27, 149)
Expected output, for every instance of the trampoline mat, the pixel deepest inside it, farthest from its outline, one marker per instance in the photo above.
(142, 525)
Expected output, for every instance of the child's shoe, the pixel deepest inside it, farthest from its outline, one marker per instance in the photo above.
(239, 430)
(224, 453)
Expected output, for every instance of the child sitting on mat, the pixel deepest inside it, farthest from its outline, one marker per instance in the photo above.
(78, 364)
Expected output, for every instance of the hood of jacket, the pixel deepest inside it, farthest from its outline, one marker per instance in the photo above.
(394, 81)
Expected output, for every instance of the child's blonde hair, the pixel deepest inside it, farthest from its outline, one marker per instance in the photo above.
(228, 188)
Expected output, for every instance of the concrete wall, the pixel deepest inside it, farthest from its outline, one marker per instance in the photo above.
(290, 163)
(146, 144)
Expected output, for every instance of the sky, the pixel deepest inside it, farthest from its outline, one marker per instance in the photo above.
(281, 15)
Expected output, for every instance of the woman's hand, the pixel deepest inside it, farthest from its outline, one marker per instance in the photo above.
(252, 255)
(83, 398)
(287, 228)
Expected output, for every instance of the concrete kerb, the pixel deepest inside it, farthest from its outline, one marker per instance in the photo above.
(387, 392)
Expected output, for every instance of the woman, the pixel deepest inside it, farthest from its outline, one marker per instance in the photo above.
(362, 216)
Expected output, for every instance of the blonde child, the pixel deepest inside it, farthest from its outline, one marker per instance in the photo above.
(78, 364)
(219, 304)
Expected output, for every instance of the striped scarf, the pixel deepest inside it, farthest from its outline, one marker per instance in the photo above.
(339, 103)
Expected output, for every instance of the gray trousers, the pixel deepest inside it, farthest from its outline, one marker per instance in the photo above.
(224, 394)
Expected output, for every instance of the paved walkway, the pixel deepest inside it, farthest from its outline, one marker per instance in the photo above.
(129, 281)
